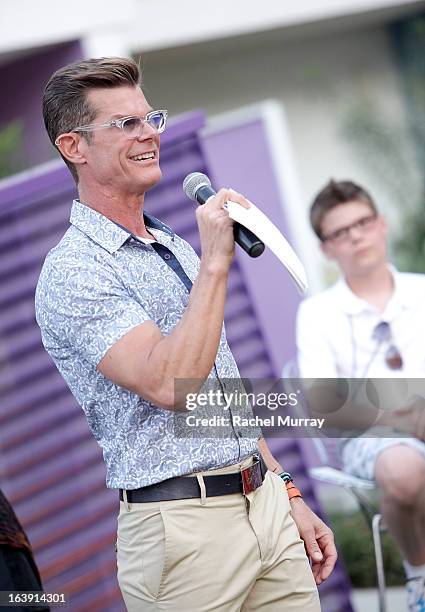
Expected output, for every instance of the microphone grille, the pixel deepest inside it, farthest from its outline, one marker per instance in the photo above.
(193, 182)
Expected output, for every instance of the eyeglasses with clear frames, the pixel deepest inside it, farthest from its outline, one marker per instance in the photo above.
(340, 235)
(131, 127)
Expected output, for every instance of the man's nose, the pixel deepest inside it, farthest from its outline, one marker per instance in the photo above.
(355, 233)
(147, 131)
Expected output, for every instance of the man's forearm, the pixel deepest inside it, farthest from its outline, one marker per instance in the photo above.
(190, 350)
(272, 464)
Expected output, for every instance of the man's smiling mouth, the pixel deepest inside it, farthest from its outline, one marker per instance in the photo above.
(143, 156)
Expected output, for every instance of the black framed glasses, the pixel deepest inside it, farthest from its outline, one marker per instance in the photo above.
(382, 333)
(340, 235)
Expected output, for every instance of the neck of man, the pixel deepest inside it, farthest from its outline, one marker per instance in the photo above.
(125, 210)
(375, 286)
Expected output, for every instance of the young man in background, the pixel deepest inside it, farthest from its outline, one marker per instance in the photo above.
(370, 324)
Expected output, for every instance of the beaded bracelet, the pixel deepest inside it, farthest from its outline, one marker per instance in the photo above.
(289, 483)
(286, 477)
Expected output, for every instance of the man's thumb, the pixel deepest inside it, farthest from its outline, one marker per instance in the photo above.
(313, 549)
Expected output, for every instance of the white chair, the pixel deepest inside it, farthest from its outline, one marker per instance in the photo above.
(357, 487)
(325, 448)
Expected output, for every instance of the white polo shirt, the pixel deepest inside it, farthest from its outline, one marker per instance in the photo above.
(335, 332)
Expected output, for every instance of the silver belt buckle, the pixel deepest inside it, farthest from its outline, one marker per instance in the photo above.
(252, 477)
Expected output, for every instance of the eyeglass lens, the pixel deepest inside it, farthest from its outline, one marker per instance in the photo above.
(363, 224)
(393, 359)
(134, 125)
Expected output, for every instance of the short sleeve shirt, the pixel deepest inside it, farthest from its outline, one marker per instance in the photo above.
(335, 332)
(95, 286)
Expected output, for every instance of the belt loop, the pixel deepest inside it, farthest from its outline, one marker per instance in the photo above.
(201, 484)
(125, 500)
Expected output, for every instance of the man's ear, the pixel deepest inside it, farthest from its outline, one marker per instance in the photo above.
(72, 147)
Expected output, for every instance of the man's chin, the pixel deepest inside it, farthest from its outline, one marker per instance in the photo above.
(366, 265)
(150, 180)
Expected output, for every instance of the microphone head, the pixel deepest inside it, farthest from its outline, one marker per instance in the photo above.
(193, 182)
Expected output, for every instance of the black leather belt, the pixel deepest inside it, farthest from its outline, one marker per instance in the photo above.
(184, 487)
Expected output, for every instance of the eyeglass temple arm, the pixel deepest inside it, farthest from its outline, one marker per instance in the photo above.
(92, 128)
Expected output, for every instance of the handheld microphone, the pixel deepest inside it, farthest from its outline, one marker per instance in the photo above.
(197, 186)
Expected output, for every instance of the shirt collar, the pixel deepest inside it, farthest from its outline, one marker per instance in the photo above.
(106, 233)
(351, 304)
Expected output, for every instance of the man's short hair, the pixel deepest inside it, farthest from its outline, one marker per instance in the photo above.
(334, 194)
(65, 103)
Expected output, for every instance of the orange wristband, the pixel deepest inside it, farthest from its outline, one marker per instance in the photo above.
(292, 490)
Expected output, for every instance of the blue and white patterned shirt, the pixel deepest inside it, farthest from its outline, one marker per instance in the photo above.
(96, 285)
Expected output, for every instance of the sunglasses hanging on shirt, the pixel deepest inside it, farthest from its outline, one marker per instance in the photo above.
(382, 333)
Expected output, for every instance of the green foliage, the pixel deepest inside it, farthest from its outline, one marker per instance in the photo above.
(410, 247)
(393, 157)
(354, 540)
(409, 41)
(382, 147)
(10, 145)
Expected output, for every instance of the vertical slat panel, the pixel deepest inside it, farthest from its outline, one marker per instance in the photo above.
(263, 308)
(51, 467)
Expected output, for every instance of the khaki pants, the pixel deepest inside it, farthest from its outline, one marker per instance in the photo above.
(224, 554)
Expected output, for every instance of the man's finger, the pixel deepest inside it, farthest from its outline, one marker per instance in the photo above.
(221, 197)
(234, 196)
(330, 555)
(312, 547)
(327, 567)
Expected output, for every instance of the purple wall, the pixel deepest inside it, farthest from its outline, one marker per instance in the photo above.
(22, 82)
(240, 157)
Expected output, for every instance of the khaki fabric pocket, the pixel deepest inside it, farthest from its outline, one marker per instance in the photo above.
(152, 551)
(141, 551)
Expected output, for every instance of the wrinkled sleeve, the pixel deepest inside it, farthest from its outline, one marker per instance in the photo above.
(84, 307)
